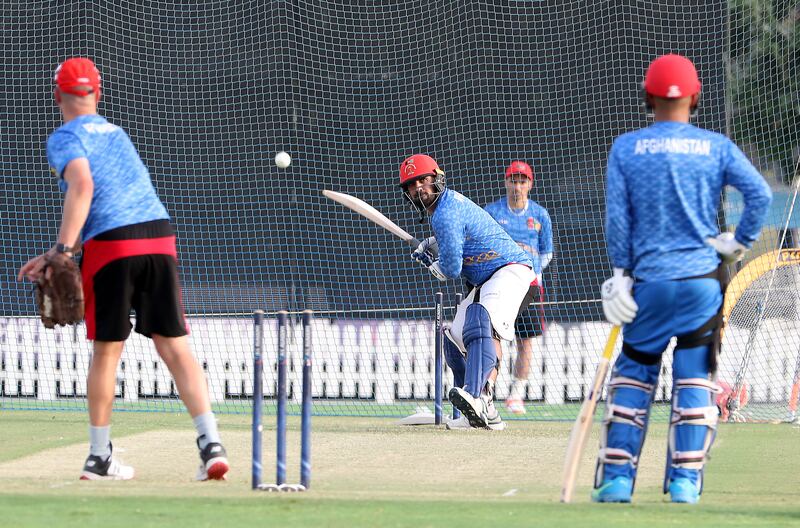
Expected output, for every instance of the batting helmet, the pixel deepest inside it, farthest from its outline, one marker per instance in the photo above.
(519, 167)
(671, 76)
(418, 166)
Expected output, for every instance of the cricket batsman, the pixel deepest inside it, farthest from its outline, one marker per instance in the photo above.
(469, 243)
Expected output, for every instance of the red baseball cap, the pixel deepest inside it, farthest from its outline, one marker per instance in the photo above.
(78, 76)
(519, 167)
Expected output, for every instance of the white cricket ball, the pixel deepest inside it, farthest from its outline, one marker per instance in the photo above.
(283, 160)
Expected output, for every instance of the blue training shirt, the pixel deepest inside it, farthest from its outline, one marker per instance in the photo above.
(662, 197)
(123, 193)
(471, 243)
(530, 228)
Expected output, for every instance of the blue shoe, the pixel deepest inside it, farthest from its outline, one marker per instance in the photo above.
(619, 489)
(684, 490)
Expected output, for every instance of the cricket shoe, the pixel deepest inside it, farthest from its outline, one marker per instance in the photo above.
(515, 405)
(473, 408)
(462, 424)
(683, 490)
(493, 419)
(459, 424)
(213, 462)
(619, 489)
(95, 468)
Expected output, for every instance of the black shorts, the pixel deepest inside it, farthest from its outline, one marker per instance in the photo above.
(530, 321)
(132, 268)
(149, 285)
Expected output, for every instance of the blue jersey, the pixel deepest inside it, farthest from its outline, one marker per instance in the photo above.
(662, 197)
(471, 244)
(530, 228)
(123, 193)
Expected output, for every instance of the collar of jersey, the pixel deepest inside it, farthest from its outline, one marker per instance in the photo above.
(516, 213)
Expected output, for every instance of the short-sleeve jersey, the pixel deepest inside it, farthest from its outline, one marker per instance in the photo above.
(471, 244)
(662, 197)
(530, 228)
(123, 193)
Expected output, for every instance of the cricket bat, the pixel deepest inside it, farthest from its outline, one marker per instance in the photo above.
(583, 424)
(370, 213)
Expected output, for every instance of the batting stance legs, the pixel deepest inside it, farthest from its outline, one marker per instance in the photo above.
(487, 314)
(666, 309)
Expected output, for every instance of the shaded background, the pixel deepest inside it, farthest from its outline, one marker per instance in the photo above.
(209, 91)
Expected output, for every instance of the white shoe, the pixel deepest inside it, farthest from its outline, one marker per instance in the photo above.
(96, 468)
(493, 419)
(460, 423)
(515, 405)
(473, 408)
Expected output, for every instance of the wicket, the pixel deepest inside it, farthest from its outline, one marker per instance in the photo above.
(281, 399)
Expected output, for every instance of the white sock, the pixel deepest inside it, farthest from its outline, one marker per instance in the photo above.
(100, 441)
(517, 391)
(206, 426)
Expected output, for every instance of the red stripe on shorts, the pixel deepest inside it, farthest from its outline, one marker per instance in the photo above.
(98, 253)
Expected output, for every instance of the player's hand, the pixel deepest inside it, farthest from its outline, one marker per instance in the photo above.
(32, 269)
(426, 252)
(618, 304)
(729, 249)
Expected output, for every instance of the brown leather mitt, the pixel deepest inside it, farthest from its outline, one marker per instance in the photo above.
(59, 291)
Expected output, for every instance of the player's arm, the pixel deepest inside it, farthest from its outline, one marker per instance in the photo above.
(742, 175)
(77, 201)
(619, 306)
(450, 236)
(618, 215)
(67, 156)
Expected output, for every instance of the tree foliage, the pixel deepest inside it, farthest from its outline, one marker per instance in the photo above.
(765, 81)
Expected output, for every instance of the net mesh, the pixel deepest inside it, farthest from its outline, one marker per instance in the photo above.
(209, 91)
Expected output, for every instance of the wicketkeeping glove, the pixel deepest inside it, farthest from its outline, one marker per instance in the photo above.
(618, 304)
(59, 291)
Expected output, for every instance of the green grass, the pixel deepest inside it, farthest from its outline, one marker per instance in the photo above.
(371, 472)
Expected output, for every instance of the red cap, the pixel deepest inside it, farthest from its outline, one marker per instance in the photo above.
(417, 166)
(78, 76)
(671, 77)
(519, 167)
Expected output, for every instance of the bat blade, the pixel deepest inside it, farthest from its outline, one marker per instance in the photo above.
(370, 213)
(583, 424)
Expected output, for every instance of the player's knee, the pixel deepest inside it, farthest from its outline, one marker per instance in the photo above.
(477, 324)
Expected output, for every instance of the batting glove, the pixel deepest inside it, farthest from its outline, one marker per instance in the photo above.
(729, 249)
(426, 252)
(618, 304)
(436, 271)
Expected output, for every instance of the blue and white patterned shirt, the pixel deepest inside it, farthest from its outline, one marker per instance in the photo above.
(472, 244)
(530, 228)
(123, 193)
(662, 197)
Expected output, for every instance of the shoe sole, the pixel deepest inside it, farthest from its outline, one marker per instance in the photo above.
(466, 409)
(87, 475)
(217, 468)
(612, 500)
